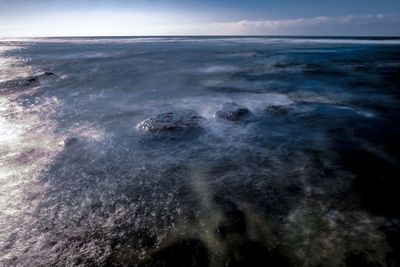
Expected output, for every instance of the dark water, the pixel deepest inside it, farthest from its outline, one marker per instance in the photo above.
(307, 177)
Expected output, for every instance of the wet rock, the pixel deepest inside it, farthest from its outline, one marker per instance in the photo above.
(232, 112)
(183, 253)
(171, 121)
(252, 253)
(19, 82)
(70, 141)
(23, 82)
(376, 180)
(278, 109)
(234, 221)
(359, 259)
(392, 232)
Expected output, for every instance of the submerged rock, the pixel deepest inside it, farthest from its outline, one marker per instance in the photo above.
(277, 109)
(19, 83)
(24, 82)
(234, 222)
(190, 252)
(70, 141)
(171, 121)
(232, 112)
(255, 254)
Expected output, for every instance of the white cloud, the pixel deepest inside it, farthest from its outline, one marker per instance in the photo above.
(382, 24)
(139, 23)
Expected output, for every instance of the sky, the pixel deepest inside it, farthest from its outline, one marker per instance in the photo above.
(40, 18)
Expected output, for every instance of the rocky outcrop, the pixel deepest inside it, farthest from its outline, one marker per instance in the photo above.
(232, 112)
(171, 121)
(277, 109)
(189, 252)
(70, 141)
(24, 82)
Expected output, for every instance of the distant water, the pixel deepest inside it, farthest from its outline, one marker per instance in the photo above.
(310, 176)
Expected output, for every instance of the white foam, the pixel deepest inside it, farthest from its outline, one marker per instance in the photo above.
(27, 145)
(12, 68)
(218, 69)
(364, 113)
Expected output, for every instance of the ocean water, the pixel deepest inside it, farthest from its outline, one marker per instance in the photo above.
(309, 177)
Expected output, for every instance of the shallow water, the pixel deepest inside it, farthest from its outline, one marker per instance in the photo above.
(310, 181)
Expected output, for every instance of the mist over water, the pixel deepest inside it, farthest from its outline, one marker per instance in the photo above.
(93, 172)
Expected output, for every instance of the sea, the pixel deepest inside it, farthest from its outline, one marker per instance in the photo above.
(200, 151)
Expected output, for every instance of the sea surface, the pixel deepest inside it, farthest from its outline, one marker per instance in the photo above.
(306, 174)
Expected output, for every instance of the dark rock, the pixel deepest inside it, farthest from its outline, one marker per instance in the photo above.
(32, 80)
(392, 232)
(358, 260)
(234, 221)
(70, 141)
(20, 83)
(171, 121)
(232, 112)
(278, 109)
(252, 253)
(183, 253)
(376, 180)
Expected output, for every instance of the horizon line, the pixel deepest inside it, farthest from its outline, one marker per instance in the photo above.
(206, 35)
